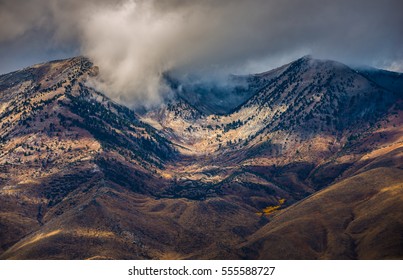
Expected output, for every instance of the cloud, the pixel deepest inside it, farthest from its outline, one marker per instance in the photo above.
(135, 42)
(133, 45)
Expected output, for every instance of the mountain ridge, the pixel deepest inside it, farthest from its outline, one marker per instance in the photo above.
(81, 176)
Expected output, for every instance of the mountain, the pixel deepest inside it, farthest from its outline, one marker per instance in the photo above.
(303, 161)
(214, 97)
(359, 217)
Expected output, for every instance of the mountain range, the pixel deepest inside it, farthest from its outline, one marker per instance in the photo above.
(300, 162)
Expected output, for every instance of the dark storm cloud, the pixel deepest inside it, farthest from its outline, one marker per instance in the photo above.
(134, 42)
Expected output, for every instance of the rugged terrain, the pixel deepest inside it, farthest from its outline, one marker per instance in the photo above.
(303, 161)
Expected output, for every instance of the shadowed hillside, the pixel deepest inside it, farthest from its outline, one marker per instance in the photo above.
(300, 162)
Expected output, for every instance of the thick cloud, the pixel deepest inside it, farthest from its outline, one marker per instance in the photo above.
(134, 42)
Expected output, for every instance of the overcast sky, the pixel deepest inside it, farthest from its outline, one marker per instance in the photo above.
(133, 42)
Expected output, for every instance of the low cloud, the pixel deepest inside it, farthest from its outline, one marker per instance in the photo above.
(136, 42)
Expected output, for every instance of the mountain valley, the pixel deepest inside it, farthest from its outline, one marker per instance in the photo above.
(300, 162)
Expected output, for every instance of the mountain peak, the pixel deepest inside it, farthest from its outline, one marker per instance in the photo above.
(307, 57)
(77, 168)
(311, 62)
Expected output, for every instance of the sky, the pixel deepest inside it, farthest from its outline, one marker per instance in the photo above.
(135, 42)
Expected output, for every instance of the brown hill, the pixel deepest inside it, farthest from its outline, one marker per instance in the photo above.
(306, 164)
(357, 218)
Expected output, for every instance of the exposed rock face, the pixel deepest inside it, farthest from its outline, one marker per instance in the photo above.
(298, 162)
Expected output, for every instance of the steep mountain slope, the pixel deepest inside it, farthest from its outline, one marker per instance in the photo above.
(215, 97)
(59, 137)
(296, 131)
(359, 217)
(310, 124)
(306, 97)
(83, 177)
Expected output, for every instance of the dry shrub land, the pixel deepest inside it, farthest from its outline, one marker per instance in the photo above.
(303, 162)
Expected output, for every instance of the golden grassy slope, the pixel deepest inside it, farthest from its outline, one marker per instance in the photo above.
(359, 217)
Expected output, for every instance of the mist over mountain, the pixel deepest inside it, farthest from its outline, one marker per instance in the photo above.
(135, 42)
(300, 162)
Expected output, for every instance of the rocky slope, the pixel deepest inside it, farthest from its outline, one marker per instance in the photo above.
(302, 162)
